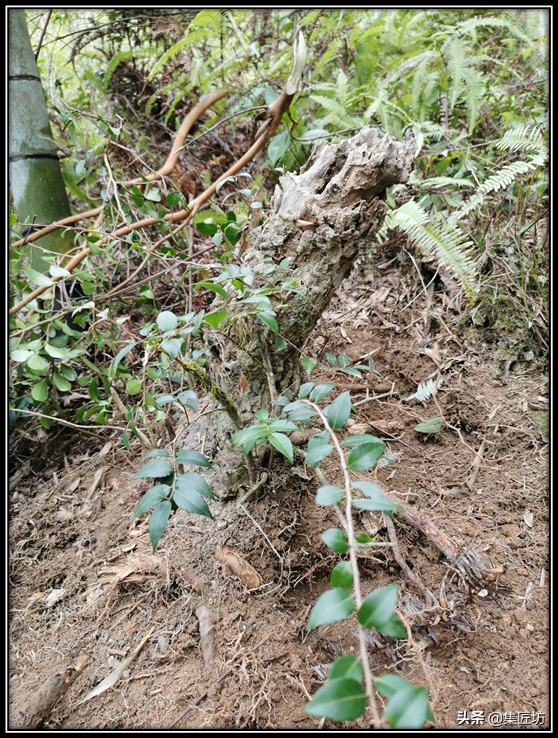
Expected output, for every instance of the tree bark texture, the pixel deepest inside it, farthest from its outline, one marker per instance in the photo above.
(323, 219)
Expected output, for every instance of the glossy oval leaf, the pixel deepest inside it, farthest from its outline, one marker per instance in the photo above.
(361, 438)
(408, 709)
(134, 386)
(393, 627)
(151, 498)
(192, 458)
(154, 469)
(329, 495)
(335, 539)
(342, 575)
(333, 606)
(269, 319)
(429, 426)
(158, 521)
(338, 412)
(191, 501)
(167, 321)
(308, 364)
(365, 455)
(157, 452)
(316, 454)
(38, 364)
(321, 390)
(338, 699)
(194, 482)
(348, 667)
(378, 607)
(278, 146)
(305, 389)
(283, 444)
(40, 391)
(61, 382)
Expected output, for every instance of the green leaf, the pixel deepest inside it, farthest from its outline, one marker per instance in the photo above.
(133, 386)
(307, 364)
(361, 438)
(157, 452)
(338, 412)
(305, 389)
(278, 146)
(55, 352)
(191, 501)
(282, 426)
(329, 494)
(12, 219)
(119, 356)
(332, 359)
(339, 699)
(214, 288)
(321, 390)
(171, 346)
(164, 400)
(215, 318)
(283, 444)
(193, 482)
(41, 280)
(377, 608)
(377, 501)
(197, 322)
(393, 627)
(40, 391)
(365, 455)
(247, 437)
(309, 136)
(158, 521)
(348, 667)
(167, 321)
(352, 372)
(61, 382)
(154, 469)
(193, 458)
(151, 498)
(363, 538)
(408, 709)
(20, 354)
(153, 195)
(342, 576)
(336, 540)
(343, 360)
(391, 684)
(430, 426)
(280, 344)
(38, 364)
(333, 606)
(315, 455)
(269, 319)
(58, 271)
(68, 372)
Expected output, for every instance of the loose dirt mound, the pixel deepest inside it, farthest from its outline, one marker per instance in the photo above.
(83, 581)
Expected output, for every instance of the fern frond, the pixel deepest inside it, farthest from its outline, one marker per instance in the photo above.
(527, 137)
(498, 181)
(445, 241)
(189, 38)
(115, 61)
(456, 68)
(337, 110)
(342, 87)
(425, 390)
(446, 182)
(389, 457)
(474, 81)
(470, 26)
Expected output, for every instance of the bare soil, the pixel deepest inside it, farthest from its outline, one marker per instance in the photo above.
(474, 654)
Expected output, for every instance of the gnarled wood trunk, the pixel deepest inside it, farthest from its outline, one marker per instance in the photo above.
(323, 219)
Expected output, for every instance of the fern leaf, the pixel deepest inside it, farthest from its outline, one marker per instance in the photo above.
(447, 182)
(469, 26)
(446, 241)
(425, 390)
(527, 137)
(498, 181)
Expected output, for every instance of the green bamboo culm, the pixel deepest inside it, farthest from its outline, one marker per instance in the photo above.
(36, 182)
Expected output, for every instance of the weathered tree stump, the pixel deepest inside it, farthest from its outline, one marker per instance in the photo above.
(323, 219)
